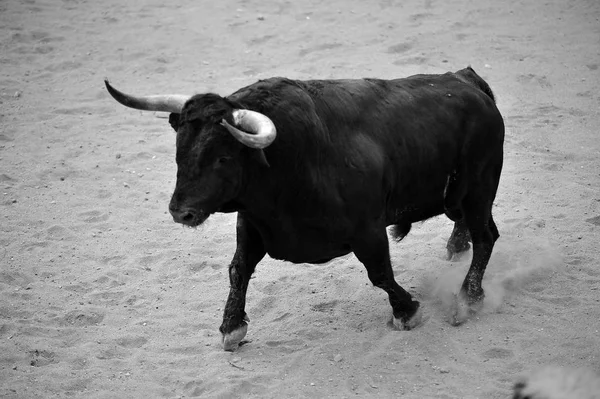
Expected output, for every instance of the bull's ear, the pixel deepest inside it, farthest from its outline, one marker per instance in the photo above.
(260, 157)
(174, 121)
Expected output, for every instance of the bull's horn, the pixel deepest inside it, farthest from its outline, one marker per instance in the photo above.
(261, 128)
(165, 102)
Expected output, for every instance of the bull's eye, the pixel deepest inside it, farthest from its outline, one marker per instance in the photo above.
(223, 160)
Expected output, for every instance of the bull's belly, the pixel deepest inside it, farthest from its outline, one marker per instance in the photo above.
(421, 202)
(304, 244)
(306, 250)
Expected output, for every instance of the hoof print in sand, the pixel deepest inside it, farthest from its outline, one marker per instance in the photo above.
(93, 216)
(41, 358)
(595, 220)
(82, 318)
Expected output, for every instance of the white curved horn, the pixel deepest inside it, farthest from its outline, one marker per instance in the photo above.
(164, 102)
(261, 128)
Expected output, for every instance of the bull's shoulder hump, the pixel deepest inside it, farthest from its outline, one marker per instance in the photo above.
(271, 88)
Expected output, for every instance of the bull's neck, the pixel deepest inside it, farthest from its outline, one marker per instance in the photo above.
(260, 191)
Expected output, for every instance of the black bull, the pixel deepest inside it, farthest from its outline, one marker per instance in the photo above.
(350, 158)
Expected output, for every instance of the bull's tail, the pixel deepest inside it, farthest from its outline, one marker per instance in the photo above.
(455, 191)
(468, 75)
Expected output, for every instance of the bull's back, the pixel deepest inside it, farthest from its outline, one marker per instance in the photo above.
(397, 141)
(409, 136)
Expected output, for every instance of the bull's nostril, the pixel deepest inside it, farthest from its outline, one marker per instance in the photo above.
(187, 217)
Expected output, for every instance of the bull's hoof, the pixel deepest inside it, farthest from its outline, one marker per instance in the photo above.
(402, 324)
(234, 339)
(465, 308)
(455, 254)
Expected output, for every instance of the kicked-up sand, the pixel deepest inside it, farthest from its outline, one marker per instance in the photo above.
(103, 296)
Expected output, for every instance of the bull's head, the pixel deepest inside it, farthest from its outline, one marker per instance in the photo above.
(213, 137)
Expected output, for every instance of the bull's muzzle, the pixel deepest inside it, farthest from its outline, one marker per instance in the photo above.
(186, 216)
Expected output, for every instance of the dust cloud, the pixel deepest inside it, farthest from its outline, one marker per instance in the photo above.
(515, 264)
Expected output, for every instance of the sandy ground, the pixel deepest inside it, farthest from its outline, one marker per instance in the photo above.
(103, 296)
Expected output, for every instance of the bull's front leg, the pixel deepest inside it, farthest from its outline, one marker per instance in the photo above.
(372, 249)
(250, 250)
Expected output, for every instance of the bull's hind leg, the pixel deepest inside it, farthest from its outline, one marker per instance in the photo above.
(454, 193)
(484, 233)
(250, 250)
(372, 249)
(459, 239)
